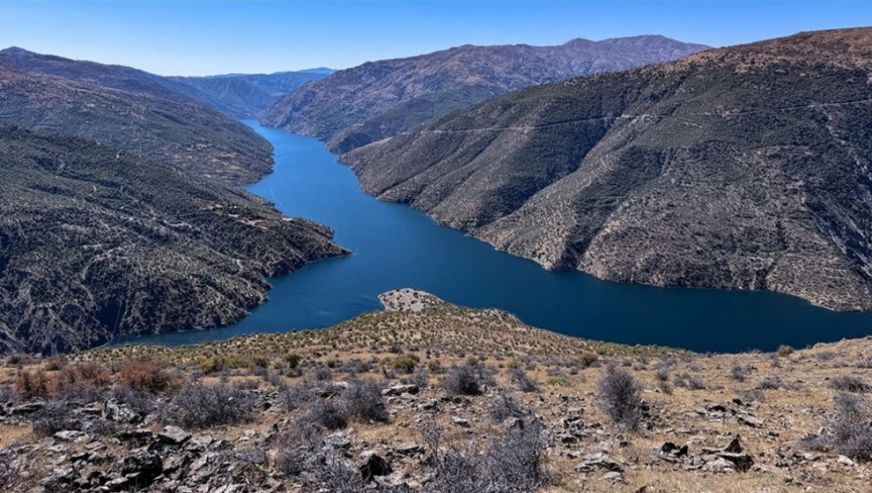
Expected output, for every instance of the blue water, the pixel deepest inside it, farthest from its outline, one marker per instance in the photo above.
(396, 246)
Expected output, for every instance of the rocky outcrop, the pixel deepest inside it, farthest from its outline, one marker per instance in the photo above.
(743, 167)
(363, 104)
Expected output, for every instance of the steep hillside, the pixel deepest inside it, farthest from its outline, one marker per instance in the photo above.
(744, 167)
(434, 398)
(243, 95)
(95, 242)
(377, 99)
(128, 109)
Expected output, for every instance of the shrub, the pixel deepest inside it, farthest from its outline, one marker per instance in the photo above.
(56, 415)
(619, 395)
(35, 384)
(434, 366)
(406, 363)
(323, 373)
(420, 378)
(144, 376)
(740, 373)
(139, 401)
(784, 350)
(850, 431)
(772, 382)
(524, 382)
(462, 380)
(506, 407)
(364, 402)
(689, 382)
(849, 383)
(588, 359)
(200, 406)
(292, 360)
(296, 396)
(514, 463)
(328, 415)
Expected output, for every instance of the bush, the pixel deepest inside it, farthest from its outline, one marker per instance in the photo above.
(506, 407)
(296, 396)
(514, 463)
(364, 402)
(55, 416)
(406, 363)
(463, 380)
(292, 360)
(849, 383)
(524, 382)
(588, 359)
(619, 395)
(784, 350)
(139, 401)
(30, 385)
(772, 382)
(850, 431)
(740, 373)
(144, 376)
(689, 382)
(328, 415)
(201, 406)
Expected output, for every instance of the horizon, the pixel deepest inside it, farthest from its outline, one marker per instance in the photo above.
(296, 36)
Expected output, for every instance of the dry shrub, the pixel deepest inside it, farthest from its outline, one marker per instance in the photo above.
(34, 384)
(145, 376)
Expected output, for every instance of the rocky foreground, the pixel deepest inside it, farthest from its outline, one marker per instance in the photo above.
(431, 397)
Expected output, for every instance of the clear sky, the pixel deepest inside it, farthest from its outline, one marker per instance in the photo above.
(199, 37)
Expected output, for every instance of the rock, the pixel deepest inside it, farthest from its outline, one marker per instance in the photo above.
(613, 476)
(142, 465)
(173, 435)
(69, 435)
(599, 460)
(748, 420)
(461, 422)
(735, 445)
(374, 466)
(409, 449)
(742, 462)
(400, 389)
(119, 413)
(337, 441)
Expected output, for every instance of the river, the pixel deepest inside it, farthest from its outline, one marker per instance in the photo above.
(396, 246)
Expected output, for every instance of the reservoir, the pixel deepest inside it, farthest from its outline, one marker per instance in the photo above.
(395, 246)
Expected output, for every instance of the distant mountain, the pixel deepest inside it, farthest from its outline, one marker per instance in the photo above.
(244, 95)
(119, 212)
(128, 109)
(363, 104)
(744, 167)
(96, 243)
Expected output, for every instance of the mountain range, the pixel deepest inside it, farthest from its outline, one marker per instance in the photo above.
(743, 167)
(366, 103)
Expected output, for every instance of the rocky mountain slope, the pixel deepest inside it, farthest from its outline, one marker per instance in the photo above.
(431, 397)
(243, 95)
(743, 167)
(377, 99)
(139, 226)
(95, 242)
(130, 110)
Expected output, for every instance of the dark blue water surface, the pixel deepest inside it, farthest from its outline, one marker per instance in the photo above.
(396, 246)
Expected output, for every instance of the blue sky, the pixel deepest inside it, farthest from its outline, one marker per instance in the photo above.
(199, 37)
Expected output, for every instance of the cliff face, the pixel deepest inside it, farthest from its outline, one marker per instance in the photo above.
(745, 167)
(95, 243)
(378, 99)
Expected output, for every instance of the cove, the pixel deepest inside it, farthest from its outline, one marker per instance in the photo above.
(395, 246)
